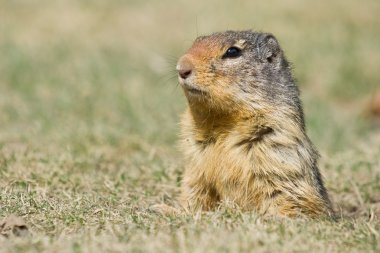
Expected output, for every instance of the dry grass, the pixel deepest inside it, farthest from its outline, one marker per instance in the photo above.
(89, 107)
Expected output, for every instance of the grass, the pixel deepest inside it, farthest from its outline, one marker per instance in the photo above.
(89, 111)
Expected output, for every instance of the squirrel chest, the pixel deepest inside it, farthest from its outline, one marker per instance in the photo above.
(225, 163)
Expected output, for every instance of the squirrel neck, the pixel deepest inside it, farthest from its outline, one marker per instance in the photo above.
(210, 124)
(205, 118)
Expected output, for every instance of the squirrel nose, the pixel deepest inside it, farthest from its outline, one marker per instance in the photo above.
(184, 67)
(184, 73)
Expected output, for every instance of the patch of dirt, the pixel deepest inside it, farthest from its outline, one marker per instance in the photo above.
(13, 226)
(375, 104)
(346, 205)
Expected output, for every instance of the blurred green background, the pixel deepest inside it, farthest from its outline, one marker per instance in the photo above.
(74, 71)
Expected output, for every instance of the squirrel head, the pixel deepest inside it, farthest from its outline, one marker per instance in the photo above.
(238, 71)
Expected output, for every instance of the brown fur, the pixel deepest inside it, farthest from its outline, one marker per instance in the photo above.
(243, 134)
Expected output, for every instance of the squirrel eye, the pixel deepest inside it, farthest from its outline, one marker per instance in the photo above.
(232, 52)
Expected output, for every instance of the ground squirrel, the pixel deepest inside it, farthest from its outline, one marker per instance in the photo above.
(243, 134)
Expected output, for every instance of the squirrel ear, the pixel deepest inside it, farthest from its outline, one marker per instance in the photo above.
(268, 47)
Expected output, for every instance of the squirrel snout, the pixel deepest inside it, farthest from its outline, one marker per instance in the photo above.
(184, 67)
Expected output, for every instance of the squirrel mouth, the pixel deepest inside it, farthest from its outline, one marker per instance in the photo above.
(192, 90)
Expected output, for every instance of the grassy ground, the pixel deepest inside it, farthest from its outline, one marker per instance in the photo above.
(89, 107)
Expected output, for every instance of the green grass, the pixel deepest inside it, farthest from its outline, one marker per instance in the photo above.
(89, 111)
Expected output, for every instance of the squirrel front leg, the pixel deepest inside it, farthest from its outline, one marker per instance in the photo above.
(198, 196)
(193, 198)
